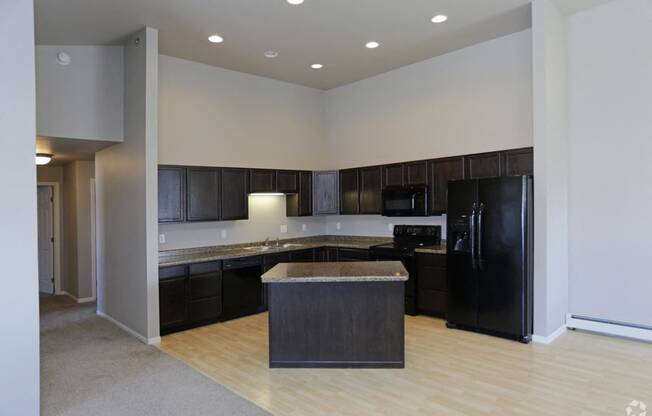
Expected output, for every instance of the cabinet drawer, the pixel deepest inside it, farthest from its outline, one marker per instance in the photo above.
(204, 310)
(165, 273)
(433, 278)
(201, 268)
(205, 285)
(432, 302)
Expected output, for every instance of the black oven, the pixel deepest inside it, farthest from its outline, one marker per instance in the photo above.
(405, 201)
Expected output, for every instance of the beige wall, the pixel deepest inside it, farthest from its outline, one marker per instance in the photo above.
(472, 100)
(216, 117)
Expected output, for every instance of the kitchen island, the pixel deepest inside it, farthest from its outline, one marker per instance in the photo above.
(336, 315)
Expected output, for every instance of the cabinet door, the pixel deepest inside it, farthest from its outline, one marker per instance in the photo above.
(370, 190)
(203, 194)
(172, 303)
(262, 181)
(517, 162)
(235, 194)
(416, 173)
(303, 256)
(287, 181)
(171, 194)
(442, 171)
(485, 165)
(393, 175)
(305, 194)
(325, 194)
(349, 192)
(432, 294)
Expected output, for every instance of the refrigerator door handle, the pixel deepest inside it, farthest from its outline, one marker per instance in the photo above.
(472, 220)
(480, 239)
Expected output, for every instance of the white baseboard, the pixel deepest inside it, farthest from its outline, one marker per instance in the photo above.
(148, 341)
(76, 299)
(609, 328)
(549, 339)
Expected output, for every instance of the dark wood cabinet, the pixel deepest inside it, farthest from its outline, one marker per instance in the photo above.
(349, 192)
(235, 194)
(203, 196)
(484, 165)
(352, 254)
(393, 175)
(300, 204)
(262, 181)
(441, 171)
(325, 193)
(370, 190)
(173, 308)
(302, 256)
(416, 173)
(432, 293)
(287, 181)
(171, 194)
(517, 162)
(204, 292)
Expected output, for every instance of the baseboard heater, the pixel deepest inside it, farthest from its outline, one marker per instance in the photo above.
(619, 329)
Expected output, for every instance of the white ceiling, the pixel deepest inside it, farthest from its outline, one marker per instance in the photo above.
(330, 32)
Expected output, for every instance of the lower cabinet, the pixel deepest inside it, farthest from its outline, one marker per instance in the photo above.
(352, 254)
(173, 307)
(432, 294)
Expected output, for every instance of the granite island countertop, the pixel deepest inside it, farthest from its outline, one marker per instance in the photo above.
(364, 271)
(225, 252)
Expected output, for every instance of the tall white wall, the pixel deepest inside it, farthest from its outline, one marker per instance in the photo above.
(126, 176)
(610, 231)
(550, 168)
(19, 351)
(471, 100)
(82, 100)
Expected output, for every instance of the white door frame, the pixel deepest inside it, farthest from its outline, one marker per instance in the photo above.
(93, 241)
(58, 247)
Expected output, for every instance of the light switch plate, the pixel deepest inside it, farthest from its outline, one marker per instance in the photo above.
(161, 238)
(284, 228)
(304, 227)
(224, 233)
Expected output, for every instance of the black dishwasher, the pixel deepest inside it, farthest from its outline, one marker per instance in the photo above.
(242, 289)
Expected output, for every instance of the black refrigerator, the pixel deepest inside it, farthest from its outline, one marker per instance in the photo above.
(489, 256)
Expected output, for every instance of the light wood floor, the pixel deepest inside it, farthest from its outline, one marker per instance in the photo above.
(447, 372)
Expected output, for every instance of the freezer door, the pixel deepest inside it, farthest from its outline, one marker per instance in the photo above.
(460, 264)
(502, 249)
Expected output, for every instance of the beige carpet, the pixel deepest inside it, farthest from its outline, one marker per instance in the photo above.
(91, 367)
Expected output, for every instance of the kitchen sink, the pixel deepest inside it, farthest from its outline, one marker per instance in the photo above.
(290, 245)
(273, 247)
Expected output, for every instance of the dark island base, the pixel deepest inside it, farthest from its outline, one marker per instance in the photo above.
(337, 325)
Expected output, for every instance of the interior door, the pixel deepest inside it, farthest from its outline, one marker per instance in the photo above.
(45, 240)
(460, 273)
(501, 254)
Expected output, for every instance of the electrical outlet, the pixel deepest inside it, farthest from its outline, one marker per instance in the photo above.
(161, 238)
(224, 234)
(338, 225)
(304, 227)
(390, 227)
(284, 229)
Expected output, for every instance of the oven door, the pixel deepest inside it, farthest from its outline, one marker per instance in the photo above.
(405, 201)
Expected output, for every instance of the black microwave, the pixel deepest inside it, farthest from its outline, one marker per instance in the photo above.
(405, 201)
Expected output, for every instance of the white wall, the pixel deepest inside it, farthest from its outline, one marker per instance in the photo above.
(550, 168)
(610, 230)
(127, 201)
(82, 100)
(19, 351)
(472, 100)
(216, 117)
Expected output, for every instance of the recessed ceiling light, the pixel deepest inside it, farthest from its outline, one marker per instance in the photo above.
(215, 39)
(372, 45)
(316, 66)
(271, 54)
(295, 2)
(440, 18)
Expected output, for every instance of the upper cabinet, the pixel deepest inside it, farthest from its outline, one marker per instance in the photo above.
(517, 162)
(349, 192)
(416, 173)
(262, 181)
(325, 193)
(203, 195)
(171, 194)
(370, 190)
(235, 194)
(300, 204)
(287, 181)
(484, 165)
(442, 171)
(393, 175)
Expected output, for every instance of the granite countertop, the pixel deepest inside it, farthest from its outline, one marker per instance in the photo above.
(365, 271)
(204, 254)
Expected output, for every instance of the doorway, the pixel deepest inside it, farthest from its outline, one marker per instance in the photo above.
(45, 216)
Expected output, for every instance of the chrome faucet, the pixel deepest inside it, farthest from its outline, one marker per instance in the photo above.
(278, 242)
